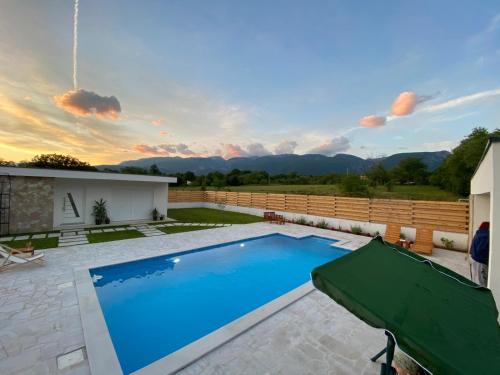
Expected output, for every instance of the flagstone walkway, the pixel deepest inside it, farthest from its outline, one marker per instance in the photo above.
(78, 236)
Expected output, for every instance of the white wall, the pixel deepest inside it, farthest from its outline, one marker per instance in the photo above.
(460, 239)
(145, 195)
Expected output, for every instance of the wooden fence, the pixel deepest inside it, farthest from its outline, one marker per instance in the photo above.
(446, 216)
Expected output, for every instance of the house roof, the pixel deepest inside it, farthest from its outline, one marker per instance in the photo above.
(84, 175)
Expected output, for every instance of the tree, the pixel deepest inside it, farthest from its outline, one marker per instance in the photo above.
(378, 175)
(353, 185)
(154, 170)
(6, 163)
(133, 170)
(410, 170)
(56, 161)
(457, 170)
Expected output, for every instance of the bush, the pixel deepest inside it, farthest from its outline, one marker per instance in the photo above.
(448, 244)
(322, 224)
(301, 221)
(356, 229)
(354, 185)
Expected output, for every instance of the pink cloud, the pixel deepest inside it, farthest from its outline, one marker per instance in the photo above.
(149, 150)
(230, 150)
(158, 122)
(404, 104)
(163, 133)
(372, 121)
(85, 103)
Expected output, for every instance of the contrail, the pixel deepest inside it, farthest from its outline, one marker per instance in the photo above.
(75, 45)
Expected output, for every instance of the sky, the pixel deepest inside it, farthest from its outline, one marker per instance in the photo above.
(245, 78)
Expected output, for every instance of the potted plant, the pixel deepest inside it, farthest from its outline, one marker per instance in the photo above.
(156, 214)
(99, 211)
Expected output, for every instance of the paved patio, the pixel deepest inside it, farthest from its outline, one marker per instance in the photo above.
(40, 317)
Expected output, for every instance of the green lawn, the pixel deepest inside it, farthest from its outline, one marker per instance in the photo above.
(416, 192)
(182, 228)
(113, 236)
(42, 243)
(208, 215)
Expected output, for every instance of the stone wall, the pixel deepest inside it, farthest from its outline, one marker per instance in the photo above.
(31, 204)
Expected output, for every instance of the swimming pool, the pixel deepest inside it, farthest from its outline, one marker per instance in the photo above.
(155, 306)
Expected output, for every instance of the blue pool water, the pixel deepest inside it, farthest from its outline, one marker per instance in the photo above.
(155, 306)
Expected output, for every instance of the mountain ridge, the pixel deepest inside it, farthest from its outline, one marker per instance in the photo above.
(307, 164)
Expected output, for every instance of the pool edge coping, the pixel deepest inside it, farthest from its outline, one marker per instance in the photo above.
(101, 353)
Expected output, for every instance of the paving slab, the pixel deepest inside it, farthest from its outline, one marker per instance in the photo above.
(6, 239)
(38, 236)
(96, 231)
(53, 235)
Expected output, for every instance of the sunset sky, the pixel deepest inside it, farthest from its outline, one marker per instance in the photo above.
(241, 78)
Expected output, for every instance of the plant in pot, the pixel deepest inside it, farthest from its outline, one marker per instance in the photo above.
(156, 214)
(99, 212)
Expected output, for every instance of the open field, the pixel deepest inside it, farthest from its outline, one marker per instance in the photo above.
(415, 192)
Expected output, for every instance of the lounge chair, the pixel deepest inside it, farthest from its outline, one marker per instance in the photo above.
(423, 241)
(392, 233)
(8, 253)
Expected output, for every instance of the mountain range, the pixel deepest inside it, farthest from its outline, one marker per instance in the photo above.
(308, 164)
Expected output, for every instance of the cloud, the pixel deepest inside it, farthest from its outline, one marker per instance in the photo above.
(285, 147)
(257, 149)
(158, 122)
(163, 133)
(149, 150)
(85, 103)
(406, 103)
(164, 149)
(230, 150)
(463, 100)
(332, 147)
(372, 121)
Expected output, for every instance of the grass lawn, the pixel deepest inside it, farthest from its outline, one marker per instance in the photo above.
(209, 215)
(113, 236)
(417, 192)
(42, 243)
(182, 228)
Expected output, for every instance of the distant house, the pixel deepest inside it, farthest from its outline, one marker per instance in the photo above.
(34, 200)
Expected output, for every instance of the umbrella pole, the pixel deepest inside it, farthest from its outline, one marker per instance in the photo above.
(386, 368)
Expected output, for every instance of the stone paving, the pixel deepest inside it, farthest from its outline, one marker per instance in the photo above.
(40, 317)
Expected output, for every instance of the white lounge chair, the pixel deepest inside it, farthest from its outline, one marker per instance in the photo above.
(8, 253)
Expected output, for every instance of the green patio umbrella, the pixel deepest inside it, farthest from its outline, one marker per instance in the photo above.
(445, 322)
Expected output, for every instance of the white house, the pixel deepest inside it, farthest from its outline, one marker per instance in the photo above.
(485, 206)
(44, 199)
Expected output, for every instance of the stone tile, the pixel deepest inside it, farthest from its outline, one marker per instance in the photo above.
(68, 234)
(53, 235)
(107, 230)
(83, 232)
(96, 231)
(36, 236)
(6, 239)
(120, 229)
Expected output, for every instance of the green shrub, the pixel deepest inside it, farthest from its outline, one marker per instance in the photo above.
(402, 236)
(354, 185)
(448, 244)
(301, 221)
(322, 224)
(356, 229)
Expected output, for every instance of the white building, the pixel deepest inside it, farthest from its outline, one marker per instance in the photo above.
(485, 206)
(44, 199)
